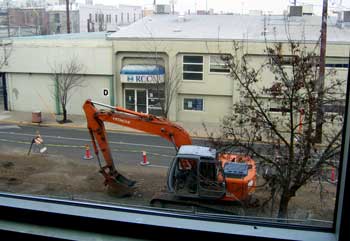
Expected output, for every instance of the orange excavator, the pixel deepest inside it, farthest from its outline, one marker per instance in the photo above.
(196, 172)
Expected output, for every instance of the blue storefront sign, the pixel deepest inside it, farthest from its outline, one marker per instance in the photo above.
(142, 74)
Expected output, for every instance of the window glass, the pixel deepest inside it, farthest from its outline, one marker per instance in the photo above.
(193, 59)
(217, 64)
(192, 67)
(266, 147)
(193, 104)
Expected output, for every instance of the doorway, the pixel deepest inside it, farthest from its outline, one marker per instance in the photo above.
(136, 100)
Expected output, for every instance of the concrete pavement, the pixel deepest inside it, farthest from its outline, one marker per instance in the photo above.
(196, 129)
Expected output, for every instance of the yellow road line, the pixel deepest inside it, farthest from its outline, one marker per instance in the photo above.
(83, 147)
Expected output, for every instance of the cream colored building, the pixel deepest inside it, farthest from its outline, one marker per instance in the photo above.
(29, 82)
(120, 68)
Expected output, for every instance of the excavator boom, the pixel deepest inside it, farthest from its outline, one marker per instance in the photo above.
(144, 122)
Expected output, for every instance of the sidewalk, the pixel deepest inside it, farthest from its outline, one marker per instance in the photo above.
(195, 129)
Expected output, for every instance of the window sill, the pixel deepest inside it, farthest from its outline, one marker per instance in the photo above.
(66, 219)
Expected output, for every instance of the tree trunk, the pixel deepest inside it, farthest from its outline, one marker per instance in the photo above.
(283, 207)
(64, 114)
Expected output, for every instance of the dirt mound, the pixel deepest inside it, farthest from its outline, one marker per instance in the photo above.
(57, 176)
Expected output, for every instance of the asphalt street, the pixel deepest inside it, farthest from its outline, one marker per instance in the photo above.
(126, 148)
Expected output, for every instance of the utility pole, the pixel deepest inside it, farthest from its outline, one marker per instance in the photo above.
(67, 13)
(320, 84)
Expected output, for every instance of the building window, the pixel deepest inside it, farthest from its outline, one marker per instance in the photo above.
(134, 17)
(217, 64)
(193, 104)
(192, 67)
(122, 18)
(101, 18)
(116, 18)
(333, 62)
(155, 100)
(335, 106)
(57, 18)
(127, 18)
(96, 18)
(90, 16)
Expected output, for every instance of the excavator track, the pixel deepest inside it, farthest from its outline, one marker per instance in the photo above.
(168, 200)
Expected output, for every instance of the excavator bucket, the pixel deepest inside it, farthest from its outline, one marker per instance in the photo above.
(118, 185)
(117, 189)
(125, 181)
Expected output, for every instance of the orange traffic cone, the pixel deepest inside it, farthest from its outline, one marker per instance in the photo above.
(144, 161)
(87, 155)
(333, 175)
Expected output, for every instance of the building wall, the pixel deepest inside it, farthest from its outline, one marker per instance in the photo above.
(214, 108)
(95, 55)
(30, 84)
(104, 59)
(35, 92)
(217, 90)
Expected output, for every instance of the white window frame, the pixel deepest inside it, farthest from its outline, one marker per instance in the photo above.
(200, 98)
(210, 64)
(194, 72)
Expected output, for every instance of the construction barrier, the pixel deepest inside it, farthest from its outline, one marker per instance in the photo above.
(39, 143)
(87, 155)
(144, 159)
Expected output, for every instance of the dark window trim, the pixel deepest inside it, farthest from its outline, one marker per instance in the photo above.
(99, 218)
(198, 73)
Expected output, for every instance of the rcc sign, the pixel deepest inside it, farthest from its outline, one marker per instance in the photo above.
(142, 79)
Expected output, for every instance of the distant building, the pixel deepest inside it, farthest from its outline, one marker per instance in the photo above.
(202, 12)
(23, 22)
(58, 20)
(92, 18)
(49, 17)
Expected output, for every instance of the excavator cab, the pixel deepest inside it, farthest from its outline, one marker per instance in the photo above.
(196, 173)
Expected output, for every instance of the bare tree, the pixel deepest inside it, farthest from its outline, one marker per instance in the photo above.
(6, 50)
(67, 77)
(171, 88)
(166, 88)
(283, 112)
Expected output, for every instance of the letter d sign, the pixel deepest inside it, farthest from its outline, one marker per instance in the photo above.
(105, 92)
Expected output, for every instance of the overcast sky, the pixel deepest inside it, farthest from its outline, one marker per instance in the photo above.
(236, 6)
